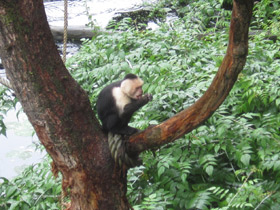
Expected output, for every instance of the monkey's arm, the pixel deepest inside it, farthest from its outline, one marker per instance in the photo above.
(132, 107)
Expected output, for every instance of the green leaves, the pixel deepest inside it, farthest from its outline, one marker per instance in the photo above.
(7, 102)
(208, 162)
(245, 159)
(35, 189)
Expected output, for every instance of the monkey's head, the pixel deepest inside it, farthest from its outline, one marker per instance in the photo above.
(132, 86)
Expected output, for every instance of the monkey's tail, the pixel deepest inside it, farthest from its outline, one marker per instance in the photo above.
(118, 151)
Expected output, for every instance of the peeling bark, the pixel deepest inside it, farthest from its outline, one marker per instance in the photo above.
(59, 109)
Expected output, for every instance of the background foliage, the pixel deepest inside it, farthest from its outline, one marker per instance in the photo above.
(7, 102)
(34, 189)
(230, 162)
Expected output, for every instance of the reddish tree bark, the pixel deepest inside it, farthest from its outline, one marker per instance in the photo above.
(61, 114)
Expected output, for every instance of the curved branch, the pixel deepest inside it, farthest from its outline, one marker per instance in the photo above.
(195, 115)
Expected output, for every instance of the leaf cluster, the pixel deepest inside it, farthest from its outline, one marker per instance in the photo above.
(267, 16)
(7, 102)
(34, 189)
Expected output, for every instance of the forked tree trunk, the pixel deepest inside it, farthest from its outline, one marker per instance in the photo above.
(61, 114)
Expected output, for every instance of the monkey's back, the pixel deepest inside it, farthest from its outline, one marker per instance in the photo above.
(106, 104)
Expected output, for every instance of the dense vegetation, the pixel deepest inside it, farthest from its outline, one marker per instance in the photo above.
(230, 162)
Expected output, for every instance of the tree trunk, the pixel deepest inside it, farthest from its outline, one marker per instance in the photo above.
(60, 111)
(58, 108)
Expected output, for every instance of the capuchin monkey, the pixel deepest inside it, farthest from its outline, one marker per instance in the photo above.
(118, 101)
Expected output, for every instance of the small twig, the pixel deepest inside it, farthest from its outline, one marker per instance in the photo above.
(270, 194)
(128, 63)
(232, 166)
(40, 197)
(241, 187)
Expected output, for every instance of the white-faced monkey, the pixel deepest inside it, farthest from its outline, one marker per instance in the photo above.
(118, 101)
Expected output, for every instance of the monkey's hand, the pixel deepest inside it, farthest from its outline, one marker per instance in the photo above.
(148, 97)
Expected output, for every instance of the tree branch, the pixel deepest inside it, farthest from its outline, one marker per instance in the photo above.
(195, 115)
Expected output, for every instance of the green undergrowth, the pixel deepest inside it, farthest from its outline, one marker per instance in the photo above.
(34, 189)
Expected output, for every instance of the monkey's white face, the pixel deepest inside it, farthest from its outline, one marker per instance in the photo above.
(132, 88)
